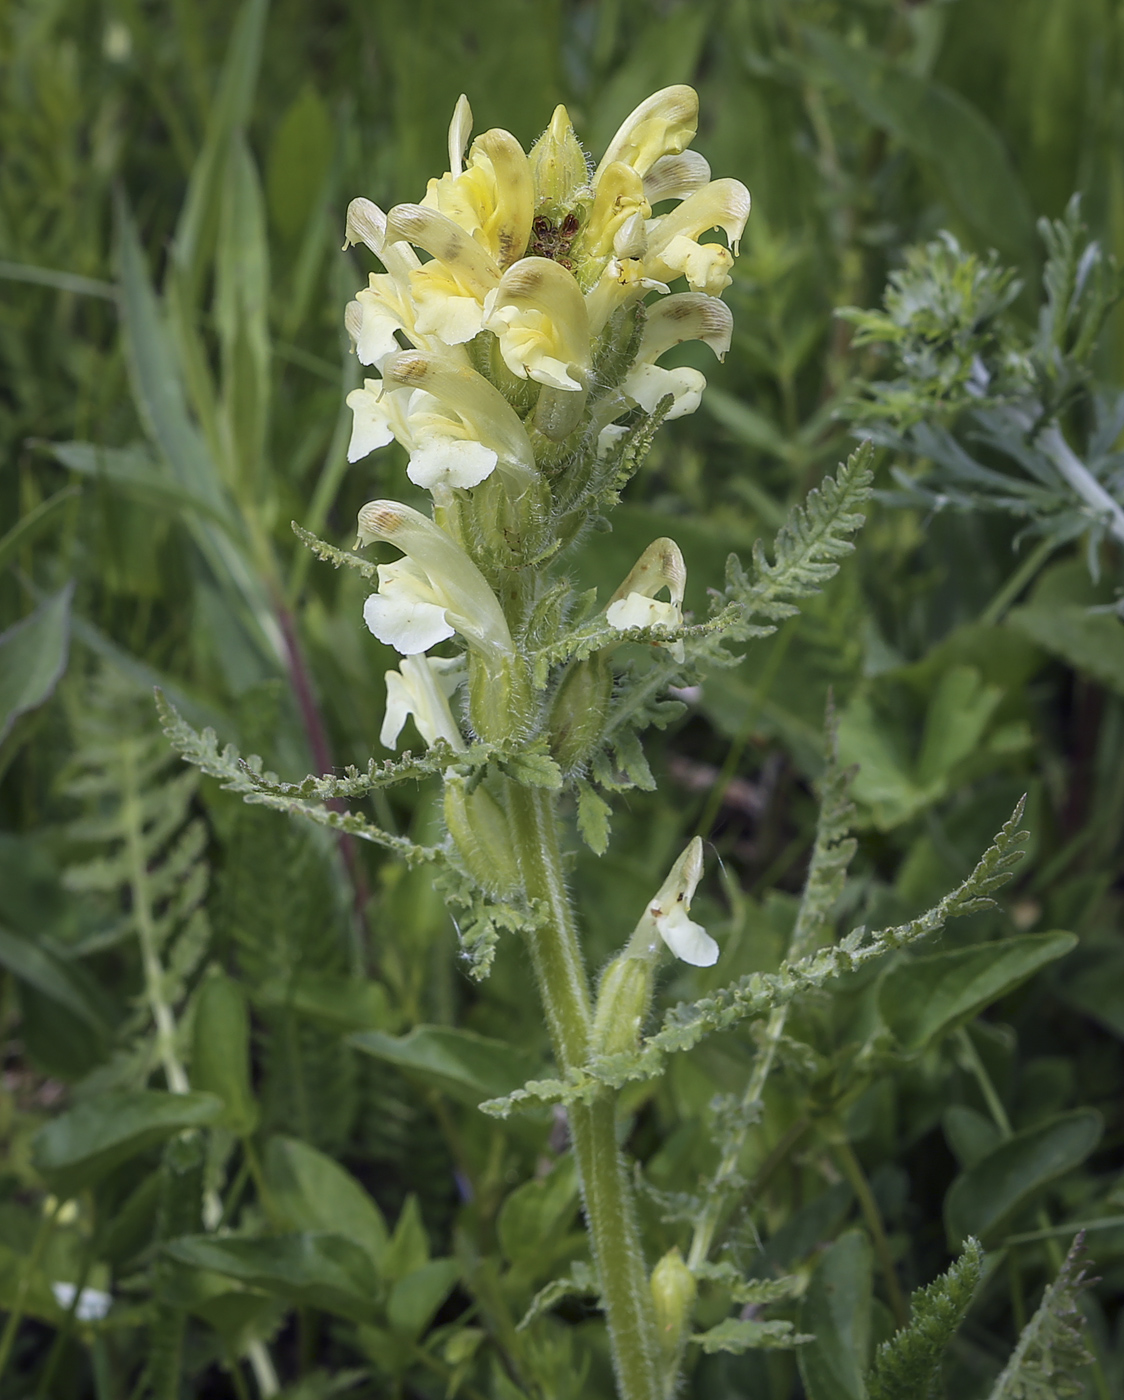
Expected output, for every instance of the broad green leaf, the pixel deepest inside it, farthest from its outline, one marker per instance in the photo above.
(941, 128)
(312, 1192)
(323, 1270)
(957, 716)
(982, 1200)
(927, 997)
(342, 1004)
(408, 1249)
(969, 1134)
(36, 522)
(538, 1212)
(883, 782)
(134, 470)
(415, 1298)
(299, 159)
(34, 1292)
(33, 656)
(470, 1067)
(1088, 641)
(37, 966)
(1098, 990)
(86, 1142)
(220, 1057)
(836, 1311)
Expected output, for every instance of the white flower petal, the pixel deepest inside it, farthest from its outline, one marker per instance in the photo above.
(376, 339)
(398, 706)
(687, 940)
(371, 426)
(638, 611)
(449, 461)
(452, 319)
(93, 1304)
(405, 623)
(608, 438)
(647, 384)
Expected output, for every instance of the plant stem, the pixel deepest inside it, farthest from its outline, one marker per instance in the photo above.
(606, 1193)
(997, 609)
(852, 1170)
(132, 819)
(15, 1317)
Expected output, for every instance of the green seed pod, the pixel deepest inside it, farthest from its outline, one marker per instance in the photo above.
(501, 702)
(478, 825)
(580, 709)
(673, 1293)
(622, 1005)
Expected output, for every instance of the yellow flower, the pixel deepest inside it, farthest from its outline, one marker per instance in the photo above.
(540, 317)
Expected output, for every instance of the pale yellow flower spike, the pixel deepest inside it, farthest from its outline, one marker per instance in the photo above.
(664, 124)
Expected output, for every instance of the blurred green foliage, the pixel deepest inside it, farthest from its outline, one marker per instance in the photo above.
(327, 1212)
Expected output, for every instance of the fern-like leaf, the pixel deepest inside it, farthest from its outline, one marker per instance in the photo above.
(1052, 1350)
(908, 1366)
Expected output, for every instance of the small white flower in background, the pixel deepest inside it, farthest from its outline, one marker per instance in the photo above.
(670, 911)
(92, 1306)
(422, 687)
(635, 604)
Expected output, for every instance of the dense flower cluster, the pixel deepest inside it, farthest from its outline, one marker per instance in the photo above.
(523, 309)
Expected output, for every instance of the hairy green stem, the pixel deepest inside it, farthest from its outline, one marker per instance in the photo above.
(606, 1193)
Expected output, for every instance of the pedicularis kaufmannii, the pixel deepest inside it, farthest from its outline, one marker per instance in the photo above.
(517, 364)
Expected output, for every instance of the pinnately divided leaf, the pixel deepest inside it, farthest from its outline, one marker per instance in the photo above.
(1052, 1351)
(246, 777)
(907, 1367)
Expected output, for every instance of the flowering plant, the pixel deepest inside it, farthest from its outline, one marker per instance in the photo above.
(517, 363)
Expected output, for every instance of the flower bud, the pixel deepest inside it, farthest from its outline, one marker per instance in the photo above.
(478, 825)
(460, 128)
(558, 164)
(501, 702)
(666, 917)
(674, 1290)
(623, 1000)
(579, 711)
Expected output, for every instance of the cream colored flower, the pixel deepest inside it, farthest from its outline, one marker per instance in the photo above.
(422, 687)
(635, 603)
(434, 591)
(685, 316)
(673, 247)
(540, 317)
(668, 915)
